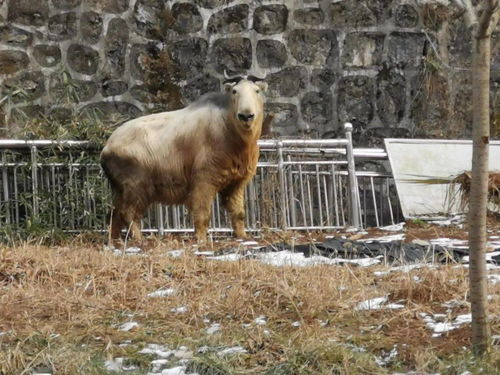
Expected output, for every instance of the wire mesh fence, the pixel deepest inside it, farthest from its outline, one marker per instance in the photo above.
(299, 185)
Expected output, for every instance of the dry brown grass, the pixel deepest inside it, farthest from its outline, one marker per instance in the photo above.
(464, 180)
(61, 306)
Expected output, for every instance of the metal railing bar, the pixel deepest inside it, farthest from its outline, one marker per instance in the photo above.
(263, 143)
(374, 201)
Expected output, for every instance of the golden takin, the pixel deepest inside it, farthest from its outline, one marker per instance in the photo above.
(187, 156)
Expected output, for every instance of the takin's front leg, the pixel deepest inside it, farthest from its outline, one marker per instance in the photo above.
(128, 214)
(233, 199)
(200, 205)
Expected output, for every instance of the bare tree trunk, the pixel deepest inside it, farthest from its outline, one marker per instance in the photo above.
(478, 194)
(481, 20)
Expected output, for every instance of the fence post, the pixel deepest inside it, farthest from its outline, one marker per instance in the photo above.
(281, 176)
(159, 219)
(34, 179)
(355, 218)
(5, 183)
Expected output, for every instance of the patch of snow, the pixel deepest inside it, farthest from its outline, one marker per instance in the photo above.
(116, 365)
(226, 257)
(261, 320)
(125, 343)
(488, 256)
(214, 328)
(249, 243)
(288, 258)
(377, 303)
(394, 306)
(421, 242)
(450, 242)
(158, 364)
(203, 253)
(390, 238)
(158, 350)
(372, 304)
(406, 268)
(494, 278)
(393, 228)
(381, 273)
(176, 253)
(179, 310)
(387, 358)
(178, 370)
(362, 262)
(266, 332)
(453, 303)
(232, 350)
(489, 267)
(183, 353)
(351, 229)
(296, 324)
(354, 348)
(162, 293)
(463, 319)
(456, 220)
(441, 327)
(128, 326)
(133, 250)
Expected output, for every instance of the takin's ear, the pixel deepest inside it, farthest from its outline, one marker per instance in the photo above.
(228, 86)
(262, 86)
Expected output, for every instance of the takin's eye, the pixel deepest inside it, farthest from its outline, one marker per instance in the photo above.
(257, 91)
(234, 92)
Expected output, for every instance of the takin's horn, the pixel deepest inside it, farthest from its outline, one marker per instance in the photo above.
(228, 79)
(254, 78)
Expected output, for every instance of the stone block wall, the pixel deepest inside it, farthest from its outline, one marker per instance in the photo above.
(395, 68)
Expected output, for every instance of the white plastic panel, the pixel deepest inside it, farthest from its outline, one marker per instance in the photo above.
(414, 160)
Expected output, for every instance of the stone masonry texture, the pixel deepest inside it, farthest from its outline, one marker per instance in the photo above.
(391, 67)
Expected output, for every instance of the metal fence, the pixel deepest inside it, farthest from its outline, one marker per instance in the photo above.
(299, 185)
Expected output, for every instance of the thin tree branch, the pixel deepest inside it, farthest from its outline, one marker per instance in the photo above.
(488, 18)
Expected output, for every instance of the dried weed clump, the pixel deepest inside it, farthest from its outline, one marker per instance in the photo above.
(62, 307)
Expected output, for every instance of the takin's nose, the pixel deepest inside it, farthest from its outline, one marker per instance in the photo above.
(245, 117)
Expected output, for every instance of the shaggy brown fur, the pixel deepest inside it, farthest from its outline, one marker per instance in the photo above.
(187, 156)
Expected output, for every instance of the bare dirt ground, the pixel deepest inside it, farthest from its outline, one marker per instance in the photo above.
(78, 308)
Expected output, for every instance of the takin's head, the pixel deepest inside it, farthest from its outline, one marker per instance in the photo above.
(247, 103)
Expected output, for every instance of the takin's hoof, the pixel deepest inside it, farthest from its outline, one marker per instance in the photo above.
(201, 240)
(117, 243)
(135, 243)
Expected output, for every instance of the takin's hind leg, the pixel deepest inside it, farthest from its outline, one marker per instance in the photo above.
(233, 199)
(117, 222)
(200, 205)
